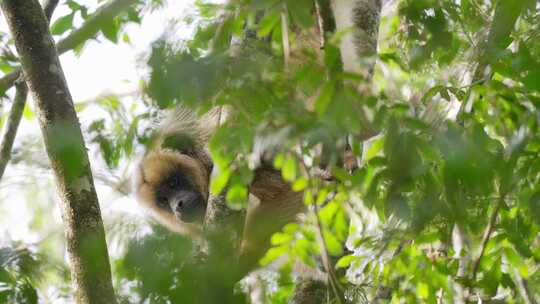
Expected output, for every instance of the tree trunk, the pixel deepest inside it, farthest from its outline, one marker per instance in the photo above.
(85, 236)
(359, 20)
(17, 107)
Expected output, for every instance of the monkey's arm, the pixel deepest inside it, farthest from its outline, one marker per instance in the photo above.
(278, 205)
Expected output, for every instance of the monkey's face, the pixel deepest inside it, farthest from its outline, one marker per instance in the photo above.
(177, 194)
(175, 187)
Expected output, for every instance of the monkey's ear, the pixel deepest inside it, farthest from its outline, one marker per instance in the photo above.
(139, 179)
(179, 142)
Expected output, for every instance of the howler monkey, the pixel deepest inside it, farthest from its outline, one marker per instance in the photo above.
(172, 180)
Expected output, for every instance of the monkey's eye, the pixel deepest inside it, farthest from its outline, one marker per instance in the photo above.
(173, 182)
(162, 200)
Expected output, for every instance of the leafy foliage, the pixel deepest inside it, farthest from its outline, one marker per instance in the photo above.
(439, 209)
(18, 273)
(418, 179)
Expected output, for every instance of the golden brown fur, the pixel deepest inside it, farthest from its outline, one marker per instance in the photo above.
(180, 146)
(192, 159)
(152, 169)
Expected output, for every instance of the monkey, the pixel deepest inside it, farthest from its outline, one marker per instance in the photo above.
(173, 176)
(172, 181)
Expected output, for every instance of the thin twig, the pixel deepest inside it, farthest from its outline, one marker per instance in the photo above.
(485, 238)
(523, 288)
(322, 38)
(285, 37)
(334, 283)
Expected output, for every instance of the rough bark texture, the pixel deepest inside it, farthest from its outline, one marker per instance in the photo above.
(17, 108)
(12, 126)
(48, 7)
(359, 19)
(90, 28)
(220, 217)
(310, 292)
(85, 237)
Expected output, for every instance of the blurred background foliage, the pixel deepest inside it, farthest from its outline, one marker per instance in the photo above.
(446, 198)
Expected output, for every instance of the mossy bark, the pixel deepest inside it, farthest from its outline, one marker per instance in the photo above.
(85, 236)
(360, 20)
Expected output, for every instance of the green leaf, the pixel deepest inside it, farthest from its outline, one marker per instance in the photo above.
(301, 12)
(74, 6)
(132, 131)
(110, 30)
(289, 169)
(300, 184)
(273, 254)
(324, 98)
(218, 182)
(279, 159)
(375, 146)
(333, 245)
(517, 261)
(268, 23)
(281, 238)
(28, 114)
(345, 261)
(237, 196)
(422, 289)
(62, 24)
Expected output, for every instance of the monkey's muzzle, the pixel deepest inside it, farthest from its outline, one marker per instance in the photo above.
(188, 206)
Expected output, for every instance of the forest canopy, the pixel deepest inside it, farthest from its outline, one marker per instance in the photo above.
(411, 129)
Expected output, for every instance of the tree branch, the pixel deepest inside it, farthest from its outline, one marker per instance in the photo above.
(485, 238)
(93, 24)
(332, 278)
(12, 126)
(17, 108)
(285, 37)
(88, 30)
(504, 20)
(523, 288)
(85, 236)
(48, 7)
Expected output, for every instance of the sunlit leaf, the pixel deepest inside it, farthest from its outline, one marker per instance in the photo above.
(62, 24)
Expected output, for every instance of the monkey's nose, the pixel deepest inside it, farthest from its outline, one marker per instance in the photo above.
(179, 205)
(188, 206)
